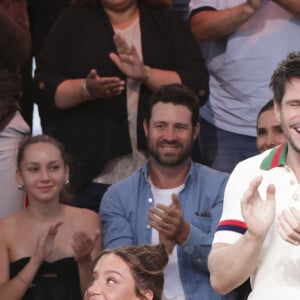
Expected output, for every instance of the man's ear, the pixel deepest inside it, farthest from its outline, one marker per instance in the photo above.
(196, 131)
(145, 125)
(148, 294)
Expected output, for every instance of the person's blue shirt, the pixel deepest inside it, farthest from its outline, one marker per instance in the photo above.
(123, 213)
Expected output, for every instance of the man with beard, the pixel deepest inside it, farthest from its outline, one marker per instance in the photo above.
(259, 232)
(170, 200)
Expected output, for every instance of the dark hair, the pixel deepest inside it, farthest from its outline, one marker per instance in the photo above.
(177, 94)
(146, 263)
(286, 70)
(165, 3)
(31, 140)
(268, 106)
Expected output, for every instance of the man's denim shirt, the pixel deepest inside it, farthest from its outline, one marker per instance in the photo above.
(124, 209)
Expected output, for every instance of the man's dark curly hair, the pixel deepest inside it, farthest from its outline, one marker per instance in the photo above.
(288, 69)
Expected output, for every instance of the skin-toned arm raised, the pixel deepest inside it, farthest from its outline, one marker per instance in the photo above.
(86, 248)
(210, 25)
(231, 265)
(15, 288)
(129, 62)
(289, 226)
(157, 78)
(83, 245)
(292, 6)
(73, 92)
(169, 222)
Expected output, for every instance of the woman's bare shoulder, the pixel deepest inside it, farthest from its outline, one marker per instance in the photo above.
(9, 225)
(82, 215)
(80, 211)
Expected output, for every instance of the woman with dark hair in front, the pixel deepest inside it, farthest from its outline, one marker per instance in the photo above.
(268, 128)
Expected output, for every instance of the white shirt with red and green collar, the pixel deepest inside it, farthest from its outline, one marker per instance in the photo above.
(277, 275)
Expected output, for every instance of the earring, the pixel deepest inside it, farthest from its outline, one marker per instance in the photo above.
(67, 181)
(20, 187)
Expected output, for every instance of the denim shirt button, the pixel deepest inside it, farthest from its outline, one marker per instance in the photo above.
(148, 226)
(150, 200)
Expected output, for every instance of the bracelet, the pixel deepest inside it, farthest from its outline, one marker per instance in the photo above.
(85, 92)
(29, 285)
(146, 74)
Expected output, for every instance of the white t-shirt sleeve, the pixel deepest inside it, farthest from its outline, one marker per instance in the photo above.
(195, 4)
(232, 225)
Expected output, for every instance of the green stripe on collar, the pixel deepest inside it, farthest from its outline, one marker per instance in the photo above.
(276, 158)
